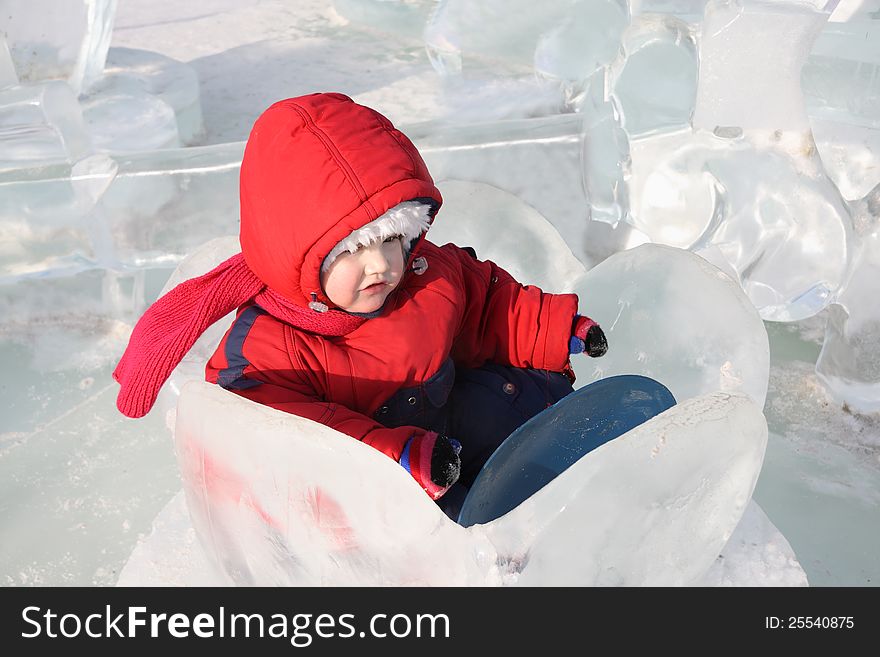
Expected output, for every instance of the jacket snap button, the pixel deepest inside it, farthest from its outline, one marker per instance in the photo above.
(412, 401)
(383, 410)
(509, 388)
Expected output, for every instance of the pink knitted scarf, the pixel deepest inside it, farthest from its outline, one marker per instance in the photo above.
(171, 326)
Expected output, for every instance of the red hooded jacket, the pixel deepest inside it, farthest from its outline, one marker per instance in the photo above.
(315, 169)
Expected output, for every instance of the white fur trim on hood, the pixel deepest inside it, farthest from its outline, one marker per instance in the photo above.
(408, 220)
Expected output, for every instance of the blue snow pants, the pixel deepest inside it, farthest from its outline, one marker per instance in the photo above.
(478, 407)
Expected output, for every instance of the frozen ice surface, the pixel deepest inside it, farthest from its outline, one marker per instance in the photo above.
(51, 219)
(96, 294)
(78, 481)
(8, 76)
(655, 79)
(122, 116)
(787, 242)
(170, 555)
(820, 480)
(40, 124)
(144, 101)
(756, 47)
(162, 205)
(58, 39)
(653, 303)
(757, 554)
(290, 505)
(457, 29)
(674, 199)
(849, 364)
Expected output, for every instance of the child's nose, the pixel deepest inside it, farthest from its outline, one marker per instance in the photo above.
(375, 260)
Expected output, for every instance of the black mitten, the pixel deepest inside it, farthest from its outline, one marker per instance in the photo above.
(587, 337)
(445, 462)
(596, 343)
(433, 461)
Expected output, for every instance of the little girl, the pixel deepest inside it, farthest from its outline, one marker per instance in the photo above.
(348, 316)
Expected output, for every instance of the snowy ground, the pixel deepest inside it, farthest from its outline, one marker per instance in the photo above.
(79, 487)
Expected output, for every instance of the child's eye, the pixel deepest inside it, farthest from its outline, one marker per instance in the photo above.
(392, 238)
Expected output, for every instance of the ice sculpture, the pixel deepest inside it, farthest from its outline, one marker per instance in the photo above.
(164, 204)
(690, 10)
(655, 77)
(171, 81)
(503, 229)
(51, 234)
(537, 160)
(672, 316)
(742, 183)
(617, 518)
(405, 18)
(585, 39)
(8, 76)
(747, 183)
(40, 124)
(849, 364)
(742, 48)
(566, 39)
(124, 117)
(138, 209)
(143, 101)
(59, 39)
(48, 226)
(300, 504)
(246, 555)
(170, 555)
(787, 241)
(87, 299)
(841, 83)
(606, 159)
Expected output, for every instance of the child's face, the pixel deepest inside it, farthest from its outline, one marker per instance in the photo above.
(359, 282)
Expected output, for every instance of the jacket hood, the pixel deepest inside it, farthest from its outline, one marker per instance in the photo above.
(315, 169)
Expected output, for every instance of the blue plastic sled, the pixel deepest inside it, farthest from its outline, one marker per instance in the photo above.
(546, 445)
